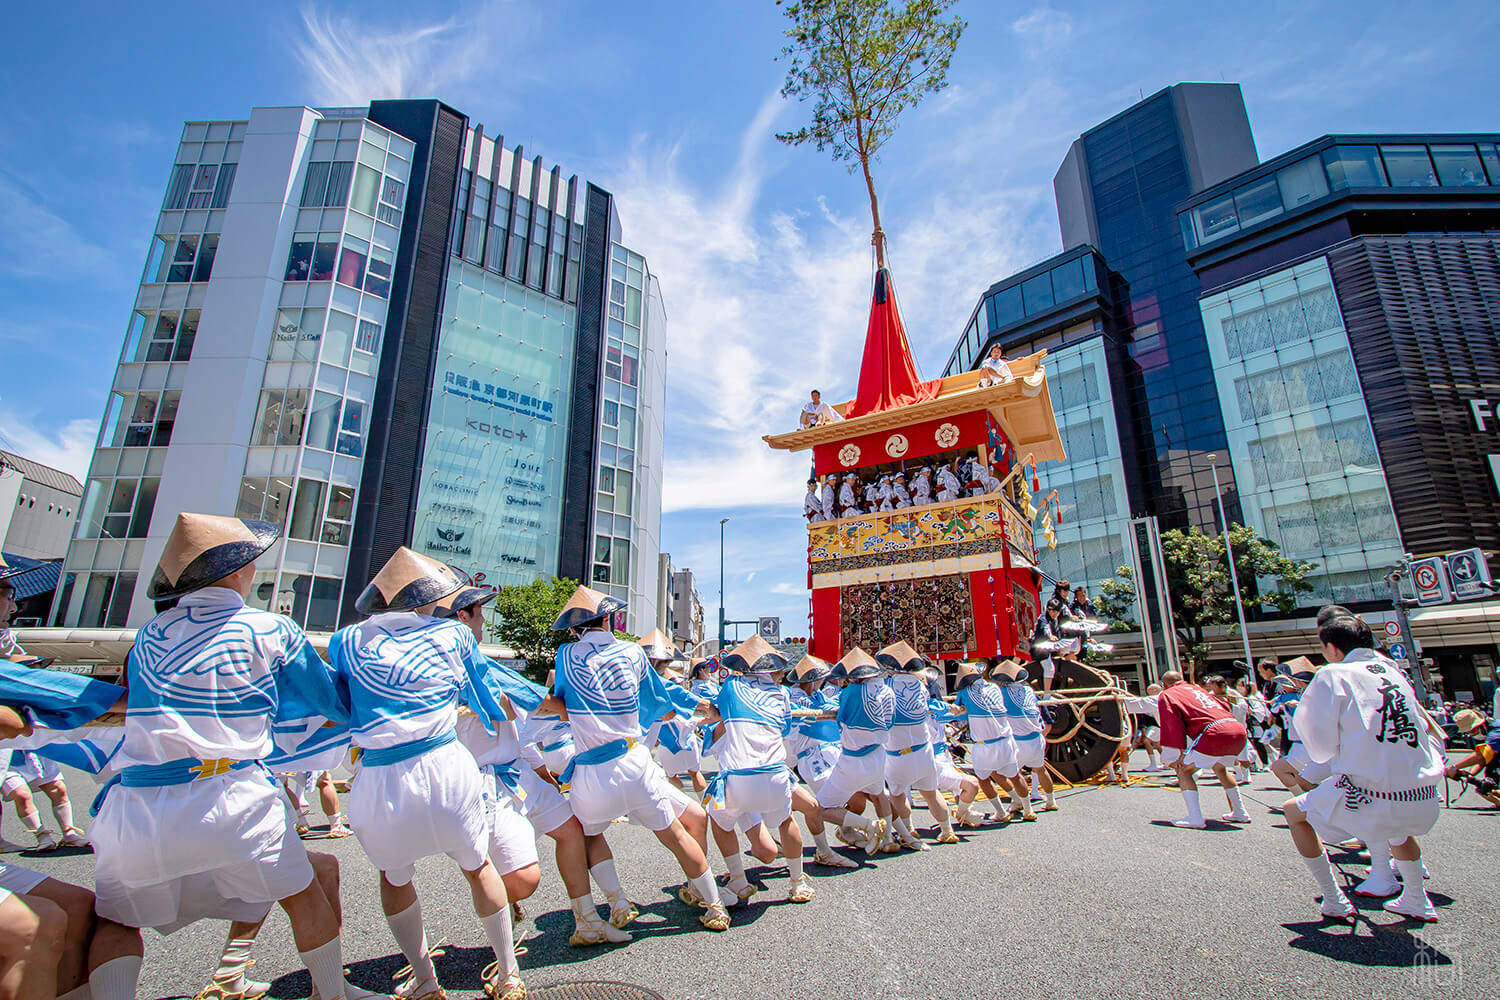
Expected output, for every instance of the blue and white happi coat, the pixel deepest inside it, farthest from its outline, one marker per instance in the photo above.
(610, 690)
(988, 712)
(866, 711)
(909, 715)
(1022, 710)
(214, 679)
(407, 674)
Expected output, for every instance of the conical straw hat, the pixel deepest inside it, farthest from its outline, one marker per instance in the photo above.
(205, 548)
(408, 580)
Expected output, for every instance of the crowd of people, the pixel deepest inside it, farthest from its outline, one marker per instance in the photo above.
(455, 754)
(854, 493)
(1348, 738)
(458, 755)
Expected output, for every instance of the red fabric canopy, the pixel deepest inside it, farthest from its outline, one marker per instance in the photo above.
(887, 375)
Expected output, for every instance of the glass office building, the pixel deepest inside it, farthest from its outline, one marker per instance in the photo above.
(1299, 436)
(378, 326)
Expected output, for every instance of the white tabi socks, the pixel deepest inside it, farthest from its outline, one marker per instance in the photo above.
(705, 886)
(1194, 819)
(1237, 813)
(738, 884)
(1380, 881)
(411, 938)
(1413, 901)
(497, 928)
(1336, 905)
(325, 964)
(116, 979)
(621, 910)
(233, 961)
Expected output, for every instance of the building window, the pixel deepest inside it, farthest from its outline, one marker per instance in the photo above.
(352, 263)
(280, 416)
(1301, 183)
(1458, 166)
(352, 429)
(368, 339)
(312, 257)
(1408, 166)
(307, 512)
(224, 185)
(1354, 167)
(339, 515)
(149, 421)
(106, 600)
(178, 187)
(323, 421)
(327, 184)
(187, 258)
(163, 336)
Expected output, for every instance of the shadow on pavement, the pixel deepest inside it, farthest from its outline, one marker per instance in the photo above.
(1389, 946)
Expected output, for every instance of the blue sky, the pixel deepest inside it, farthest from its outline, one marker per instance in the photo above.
(762, 250)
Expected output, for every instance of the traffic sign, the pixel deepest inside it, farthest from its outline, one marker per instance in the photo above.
(770, 630)
(1430, 578)
(1398, 651)
(1392, 628)
(1470, 573)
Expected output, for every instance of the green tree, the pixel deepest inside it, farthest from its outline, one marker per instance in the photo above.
(1202, 595)
(862, 63)
(1117, 598)
(527, 612)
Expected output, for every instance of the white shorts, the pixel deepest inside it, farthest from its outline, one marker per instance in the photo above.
(997, 758)
(221, 848)
(512, 839)
(1153, 734)
(633, 786)
(1049, 669)
(768, 797)
(413, 809)
(544, 807)
(683, 762)
(1315, 774)
(1338, 814)
(1196, 758)
(32, 772)
(851, 776)
(556, 761)
(817, 762)
(950, 778)
(18, 880)
(916, 769)
(1297, 757)
(1031, 752)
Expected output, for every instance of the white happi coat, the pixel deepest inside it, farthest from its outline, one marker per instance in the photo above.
(900, 497)
(884, 495)
(921, 488)
(812, 506)
(828, 501)
(407, 674)
(1360, 717)
(206, 678)
(948, 485)
(848, 502)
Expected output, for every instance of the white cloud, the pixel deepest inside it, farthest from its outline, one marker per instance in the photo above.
(1044, 28)
(69, 448)
(349, 62)
(768, 299)
(35, 242)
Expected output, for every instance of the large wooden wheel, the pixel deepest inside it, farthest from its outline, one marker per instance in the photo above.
(1088, 722)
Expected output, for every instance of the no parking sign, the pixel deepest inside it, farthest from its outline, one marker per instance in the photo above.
(1430, 578)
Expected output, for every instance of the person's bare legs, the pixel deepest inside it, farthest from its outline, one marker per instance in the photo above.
(1237, 813)
(76, 904)
(763, 846)
(1305, 839)
(693, 860)
(32, 932)
(728, 843)
(487, 889)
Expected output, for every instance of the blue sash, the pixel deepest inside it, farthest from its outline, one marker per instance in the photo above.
(509, 775)
(1028, 736)
(601, 754)
(550, 747)
(406, 751)
(862, 751)
(713, 795)
(902, 753)
(173, 772)
(997, 739)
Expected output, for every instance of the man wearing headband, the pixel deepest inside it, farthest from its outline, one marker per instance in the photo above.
(1289, 768)
(524, 802)
(921, 486)
(848, 495)
(207, 679)
(910, 762)
(866, 710)
(606, 689)
(812, 505)
(755, 711)
(420, 792)
(1360, 717)
(1198, 730)
(829, 498)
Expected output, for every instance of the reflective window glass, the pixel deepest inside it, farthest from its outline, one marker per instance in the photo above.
(1005, 307)
(1302, 182)
(1036, 293)
(1354, 167)
(1258, 201)
(1408, 166)
(1458, 166)
(1216, 219)
(1067, 280)
(1491, 158)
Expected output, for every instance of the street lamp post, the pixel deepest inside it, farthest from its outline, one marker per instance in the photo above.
(722, 521)
(1234, 576)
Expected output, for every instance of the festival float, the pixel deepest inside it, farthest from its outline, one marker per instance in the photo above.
(957, 579)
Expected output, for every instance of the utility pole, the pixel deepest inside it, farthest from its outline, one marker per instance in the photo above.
(722, 521)
(1403, 604)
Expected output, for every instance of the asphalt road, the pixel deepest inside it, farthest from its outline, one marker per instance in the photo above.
(1098, 899)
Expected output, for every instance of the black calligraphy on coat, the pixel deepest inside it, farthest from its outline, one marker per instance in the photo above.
(1396, 722)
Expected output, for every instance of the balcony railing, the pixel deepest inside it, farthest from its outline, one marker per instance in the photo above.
(949, 530)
